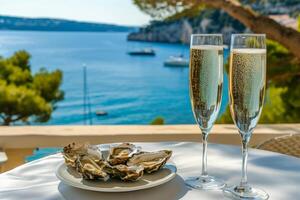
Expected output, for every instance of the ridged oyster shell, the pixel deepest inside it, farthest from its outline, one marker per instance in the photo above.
(91, 168)
(151, 161)
(121, 153)
(87, 160)
(126, 173)
(125, 161)
(72, 152)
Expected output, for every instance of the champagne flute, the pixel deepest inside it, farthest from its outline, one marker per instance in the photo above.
(247, 83)
(206, 82)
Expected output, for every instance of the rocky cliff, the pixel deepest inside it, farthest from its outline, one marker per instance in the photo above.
(211, 21)
(175, 32)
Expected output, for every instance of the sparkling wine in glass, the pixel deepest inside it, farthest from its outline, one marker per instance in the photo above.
(247, 83)
(206, 81)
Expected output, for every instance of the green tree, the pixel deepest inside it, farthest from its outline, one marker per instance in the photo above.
(282, 102)
(240, 10)
(299, 22)
(25, 96)
(158, 121)
(283, 56)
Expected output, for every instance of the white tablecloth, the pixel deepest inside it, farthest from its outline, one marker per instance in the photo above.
(277, 174)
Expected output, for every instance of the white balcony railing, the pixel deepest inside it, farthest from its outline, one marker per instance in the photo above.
(19, 141)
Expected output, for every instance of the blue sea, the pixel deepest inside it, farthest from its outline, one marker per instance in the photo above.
(131, 89)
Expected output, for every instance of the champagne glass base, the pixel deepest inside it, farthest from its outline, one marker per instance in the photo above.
(236, 192)
(205, 183)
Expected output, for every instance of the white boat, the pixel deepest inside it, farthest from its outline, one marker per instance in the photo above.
(176, 61)
(101, 113)
(142, 52)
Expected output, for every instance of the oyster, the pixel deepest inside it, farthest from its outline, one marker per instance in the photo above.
(91, 168)
(126, 173)
(72, 152)
(94, 152)
(151, 161)
(121, 153)
(124, 161)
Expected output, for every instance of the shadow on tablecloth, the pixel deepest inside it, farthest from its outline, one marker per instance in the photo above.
(172, 190)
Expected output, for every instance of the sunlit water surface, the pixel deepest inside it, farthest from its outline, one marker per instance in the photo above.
(132, 89)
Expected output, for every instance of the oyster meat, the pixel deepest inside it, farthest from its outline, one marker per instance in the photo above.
(121, 153)
(72, 152)
(125, 161)
(91, 168)
(151, 161)
(126, 173)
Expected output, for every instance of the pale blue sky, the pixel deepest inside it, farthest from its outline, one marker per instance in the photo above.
(108, 11)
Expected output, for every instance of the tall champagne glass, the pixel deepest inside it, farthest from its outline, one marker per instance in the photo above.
(206, 81)
(247, 83)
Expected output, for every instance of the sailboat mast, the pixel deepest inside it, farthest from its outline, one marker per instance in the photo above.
(87, 111)
(84, 95)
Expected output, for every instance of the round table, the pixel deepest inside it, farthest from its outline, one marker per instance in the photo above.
(277, 174)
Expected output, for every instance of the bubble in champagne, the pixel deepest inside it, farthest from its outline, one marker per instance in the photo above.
(206, 80)
(247, 85)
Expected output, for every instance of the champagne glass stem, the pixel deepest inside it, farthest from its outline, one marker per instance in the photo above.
(247, 84)
(204, 154)
(205, 84)
(244, 182)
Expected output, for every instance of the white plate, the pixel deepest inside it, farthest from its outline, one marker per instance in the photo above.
(70, 177)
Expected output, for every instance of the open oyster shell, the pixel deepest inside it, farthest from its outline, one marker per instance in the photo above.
(121, 153)
(91, 168)
(126, 173)
(151, 161)
(124, 161)
(72, 152)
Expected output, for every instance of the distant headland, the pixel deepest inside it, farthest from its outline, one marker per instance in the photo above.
(48, 24)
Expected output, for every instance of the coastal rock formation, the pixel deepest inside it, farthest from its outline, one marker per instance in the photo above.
(215, 21)
(175, 32)
(211, 21)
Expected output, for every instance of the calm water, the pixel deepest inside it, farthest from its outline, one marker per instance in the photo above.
(133, 90)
